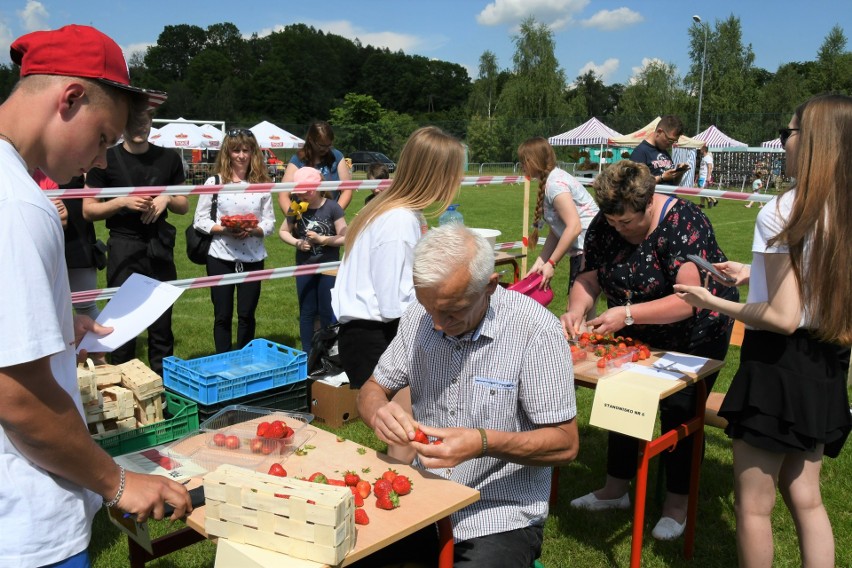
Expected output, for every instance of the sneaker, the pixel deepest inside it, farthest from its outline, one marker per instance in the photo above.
(668, 529)
(592, 503)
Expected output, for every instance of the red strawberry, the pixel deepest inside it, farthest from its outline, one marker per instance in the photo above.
(351, 478)
(361, 517)
(337, 482)
(390, 475)
(382, 487)
(420, 437)
(401, 485)
(359, 501)
(277, 470)
(363, 488)
(389, 501)
(318, 478)
(262, 428)
(438, 442)
(276, 430)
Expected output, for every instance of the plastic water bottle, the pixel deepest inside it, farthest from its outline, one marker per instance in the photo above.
(451, 215)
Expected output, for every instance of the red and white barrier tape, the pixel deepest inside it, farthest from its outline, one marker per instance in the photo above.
(694, 191)
(355, 185)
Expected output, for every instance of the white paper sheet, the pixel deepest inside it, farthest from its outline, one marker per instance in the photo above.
(651, 372)
(135, 306)
(680, 362)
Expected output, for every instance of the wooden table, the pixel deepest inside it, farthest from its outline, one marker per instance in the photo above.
(586, 376)
(432, 500)
(511, 259)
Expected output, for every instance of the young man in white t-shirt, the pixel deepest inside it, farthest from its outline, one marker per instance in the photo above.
(76, 98)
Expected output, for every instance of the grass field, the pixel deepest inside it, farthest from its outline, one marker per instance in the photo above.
(572, 538)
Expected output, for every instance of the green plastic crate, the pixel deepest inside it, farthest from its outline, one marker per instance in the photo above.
(181, 419)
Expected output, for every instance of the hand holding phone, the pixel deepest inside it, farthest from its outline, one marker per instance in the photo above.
(682, 167)
(707, 267)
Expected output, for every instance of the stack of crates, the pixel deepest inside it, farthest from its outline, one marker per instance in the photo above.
(263, 373)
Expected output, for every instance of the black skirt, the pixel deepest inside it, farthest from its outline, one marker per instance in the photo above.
(789, 394)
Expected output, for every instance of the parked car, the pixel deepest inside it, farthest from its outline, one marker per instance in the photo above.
(362, 159)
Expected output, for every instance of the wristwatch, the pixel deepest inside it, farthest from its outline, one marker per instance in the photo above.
(628, 319)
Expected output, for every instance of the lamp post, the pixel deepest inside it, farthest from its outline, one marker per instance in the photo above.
(697, 20)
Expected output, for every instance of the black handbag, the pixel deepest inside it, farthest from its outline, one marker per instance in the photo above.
(198, 243)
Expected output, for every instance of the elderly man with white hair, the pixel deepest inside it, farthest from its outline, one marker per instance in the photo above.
(491, 376)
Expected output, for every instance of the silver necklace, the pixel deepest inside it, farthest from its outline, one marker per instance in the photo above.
(10, 141)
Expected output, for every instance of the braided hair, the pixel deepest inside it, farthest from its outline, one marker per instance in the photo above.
(538, 159)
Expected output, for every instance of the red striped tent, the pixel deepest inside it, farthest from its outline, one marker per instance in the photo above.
(634, 138)
(771, 143)
(593, 132)
(716, 139)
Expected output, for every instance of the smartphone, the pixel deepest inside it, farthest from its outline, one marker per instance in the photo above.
(707, 267)
(681, 168)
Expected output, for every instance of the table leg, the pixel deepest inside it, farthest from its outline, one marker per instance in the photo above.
(162, 546)
(445, 543)
(639, 504)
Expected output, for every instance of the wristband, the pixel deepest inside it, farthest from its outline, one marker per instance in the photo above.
(484, 441)
(551, 263)
(122, 474)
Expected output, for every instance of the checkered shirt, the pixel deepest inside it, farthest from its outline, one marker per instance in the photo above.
(513, 373)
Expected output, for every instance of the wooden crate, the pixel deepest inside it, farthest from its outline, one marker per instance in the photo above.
(149, 411)
(287, 515)
(87, 383)
(116, 403)
(108, 375)
(144, 382)
(111, 427)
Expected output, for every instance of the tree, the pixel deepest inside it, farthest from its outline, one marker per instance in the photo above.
(593, 98)
(169, 59)
(832, 68)
(485, 140)
(656, 90)
(534, 95)
(483, 96)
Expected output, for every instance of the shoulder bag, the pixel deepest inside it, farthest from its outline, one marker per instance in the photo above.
(198, 243)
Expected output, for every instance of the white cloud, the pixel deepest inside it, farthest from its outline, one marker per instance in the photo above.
(140, 48)
(556, 14)
(34, 16)
(392, 40)
(610, 20)
(646, 62)
(605, 70)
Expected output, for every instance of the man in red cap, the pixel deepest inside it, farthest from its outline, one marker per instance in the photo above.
(73, 101)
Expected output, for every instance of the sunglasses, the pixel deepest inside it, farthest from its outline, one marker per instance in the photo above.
(240, 132)
(785, 133)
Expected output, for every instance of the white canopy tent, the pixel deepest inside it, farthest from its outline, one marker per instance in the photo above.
(183, 135)
(772, 144)
(212, 136)
(270, 136)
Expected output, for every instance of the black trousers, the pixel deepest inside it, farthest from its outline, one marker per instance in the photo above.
(248, 296)
(622, 453)
(361, 344)
(128, 255)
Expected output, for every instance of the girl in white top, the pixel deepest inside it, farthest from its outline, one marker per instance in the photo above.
(235, 250)
(374, 282)
(563, 203)
(787, 406)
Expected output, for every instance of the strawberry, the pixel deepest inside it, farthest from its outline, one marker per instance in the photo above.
(351, 478)
(382, 487)
(337, 482)
(420, 437)
(391, 474)
(318, 478)
(363, 488)
(361, 517)
(401, 485)
(359, 501)
(275, 430)
(277, 470)
(262, 428)
(438, 442)
(389, 501)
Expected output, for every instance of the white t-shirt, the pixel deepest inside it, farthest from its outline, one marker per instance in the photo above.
(374, 281)
(43, 518)
(770, 221)
(559, 181)
(757, 185)
(224, 246)
(706, 161)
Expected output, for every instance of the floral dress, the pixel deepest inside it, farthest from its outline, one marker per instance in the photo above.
(648, 271)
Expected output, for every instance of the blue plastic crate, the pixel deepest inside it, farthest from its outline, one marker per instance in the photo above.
(257, 367)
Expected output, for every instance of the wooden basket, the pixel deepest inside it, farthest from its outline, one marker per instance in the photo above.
(290, 516)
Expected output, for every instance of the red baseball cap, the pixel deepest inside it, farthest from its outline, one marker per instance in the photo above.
(77, 51)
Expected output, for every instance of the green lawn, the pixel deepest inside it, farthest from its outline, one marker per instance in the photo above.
(572, 538)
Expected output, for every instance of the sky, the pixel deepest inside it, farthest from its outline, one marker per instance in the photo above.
(616, 38)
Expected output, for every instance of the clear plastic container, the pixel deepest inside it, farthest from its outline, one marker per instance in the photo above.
(451, 215)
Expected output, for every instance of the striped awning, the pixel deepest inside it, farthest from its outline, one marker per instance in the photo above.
(591, 132)
(771, 143)
(715, 138)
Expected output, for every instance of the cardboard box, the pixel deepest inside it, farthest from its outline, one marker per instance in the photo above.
(334, 406)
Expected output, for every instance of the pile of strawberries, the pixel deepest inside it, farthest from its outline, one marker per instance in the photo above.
(245, 222)
(608, 347)
(388, 488)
